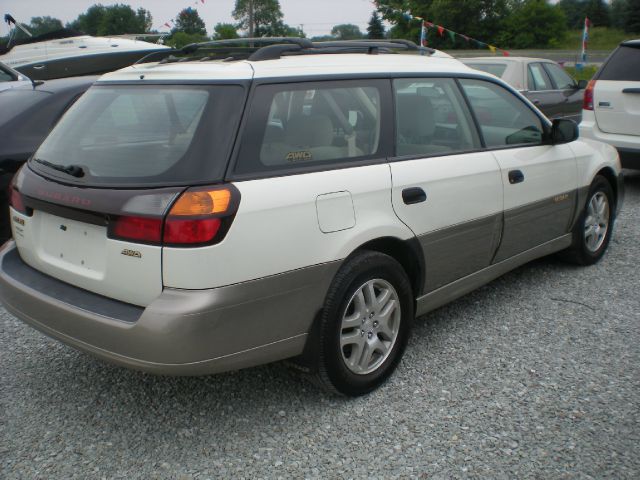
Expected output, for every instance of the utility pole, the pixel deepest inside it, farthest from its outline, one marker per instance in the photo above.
(251, 29)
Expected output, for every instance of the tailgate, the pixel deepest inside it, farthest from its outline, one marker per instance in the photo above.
(64, 233)
(617, 106)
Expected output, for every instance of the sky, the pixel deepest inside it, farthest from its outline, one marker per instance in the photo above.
(316, 16)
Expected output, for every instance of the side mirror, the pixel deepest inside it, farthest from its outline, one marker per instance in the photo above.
(582, 84)
(564, 130)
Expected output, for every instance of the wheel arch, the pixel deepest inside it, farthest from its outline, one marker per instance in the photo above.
(612, 178)
(408, 253)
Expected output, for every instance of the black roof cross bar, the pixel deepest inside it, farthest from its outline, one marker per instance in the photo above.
(272, 48)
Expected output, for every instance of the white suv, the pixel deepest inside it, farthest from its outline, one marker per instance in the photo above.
(190, 217)
(611, 109)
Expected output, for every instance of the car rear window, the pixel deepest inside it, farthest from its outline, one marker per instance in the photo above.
(623, 65)
(145, 135)
(496, 69)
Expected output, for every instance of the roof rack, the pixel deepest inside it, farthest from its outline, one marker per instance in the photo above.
(272, 48)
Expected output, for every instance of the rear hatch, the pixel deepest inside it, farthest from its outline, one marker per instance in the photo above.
(93, 201)
(617, 92)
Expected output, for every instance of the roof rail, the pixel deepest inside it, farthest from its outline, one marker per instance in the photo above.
(272, 48)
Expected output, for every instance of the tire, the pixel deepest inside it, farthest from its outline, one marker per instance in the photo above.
(592, 232)
(364, 325)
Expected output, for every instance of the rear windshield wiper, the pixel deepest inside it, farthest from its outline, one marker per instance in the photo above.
(73, 170)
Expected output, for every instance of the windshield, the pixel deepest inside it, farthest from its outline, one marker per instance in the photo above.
(144, 135)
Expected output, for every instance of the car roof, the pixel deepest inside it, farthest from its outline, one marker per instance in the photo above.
(291, 66)
(504, 59)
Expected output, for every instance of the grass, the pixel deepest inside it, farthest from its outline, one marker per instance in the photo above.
(585, 74)
(600, 38)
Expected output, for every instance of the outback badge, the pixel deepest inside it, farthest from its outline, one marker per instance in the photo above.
(131, 253)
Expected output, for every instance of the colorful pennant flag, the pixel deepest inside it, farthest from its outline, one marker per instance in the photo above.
(492, 48)
(423, 35)
(585, 40)
(441, 31)
(452, 36)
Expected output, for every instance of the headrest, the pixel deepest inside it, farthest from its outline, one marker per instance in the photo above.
(416, 117)
(309, 131)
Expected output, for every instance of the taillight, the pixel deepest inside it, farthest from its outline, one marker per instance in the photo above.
(587, 102)
(16, 201)
(201, 216)
(140, 229)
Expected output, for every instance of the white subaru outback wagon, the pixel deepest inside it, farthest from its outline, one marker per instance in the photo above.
(307, 201)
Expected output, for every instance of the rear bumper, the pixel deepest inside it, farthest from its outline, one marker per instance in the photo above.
(182, 332)
(628, 146)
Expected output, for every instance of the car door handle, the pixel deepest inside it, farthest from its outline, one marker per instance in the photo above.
(631, 90)
(536, 101)
(413, 195)
(516, 176)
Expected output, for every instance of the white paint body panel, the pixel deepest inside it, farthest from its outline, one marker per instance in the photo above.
(617, 112)
(592, 157)
(548, 170)
(83, 256)
(335, 212)
(276, 228)
(459, 188)
(589, 129)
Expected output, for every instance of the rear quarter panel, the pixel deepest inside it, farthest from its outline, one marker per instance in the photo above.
(276, 228)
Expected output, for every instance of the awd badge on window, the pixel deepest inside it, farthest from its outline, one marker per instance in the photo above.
(131, 253)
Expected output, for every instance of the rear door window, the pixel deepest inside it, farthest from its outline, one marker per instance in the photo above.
(624, 65)
(504, 119)
(146, 135)
(560, 78)
(538, 78)
(432, 118)
(294, 126)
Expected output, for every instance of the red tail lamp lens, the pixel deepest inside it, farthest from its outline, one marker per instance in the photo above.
(138, 228)
(196, 217)
(183, 231)
(16, 201)
(587, 101)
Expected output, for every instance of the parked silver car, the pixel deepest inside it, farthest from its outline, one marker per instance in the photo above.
(544, 82)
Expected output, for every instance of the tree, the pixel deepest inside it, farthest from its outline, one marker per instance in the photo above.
(189, 22)
(347, 31)
(574, 11)
(535, 24)
(618, 13)
(40, 25)
(481, 19)
(632, 23)
(112, 20)
(224, 31)
(258, 17)
(180, 39)
(375, 30)
(598, 13)
(89, 22)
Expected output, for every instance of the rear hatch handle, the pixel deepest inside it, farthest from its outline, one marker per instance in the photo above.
(631, 90)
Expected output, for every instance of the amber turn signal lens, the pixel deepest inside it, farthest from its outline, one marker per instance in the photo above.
(202, 203)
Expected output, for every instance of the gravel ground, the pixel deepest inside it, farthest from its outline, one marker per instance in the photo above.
(533, 376)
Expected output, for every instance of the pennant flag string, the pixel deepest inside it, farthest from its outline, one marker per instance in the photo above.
(441, 31)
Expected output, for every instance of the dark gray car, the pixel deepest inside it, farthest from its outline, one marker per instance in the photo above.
(544, 82)
(27, 114)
